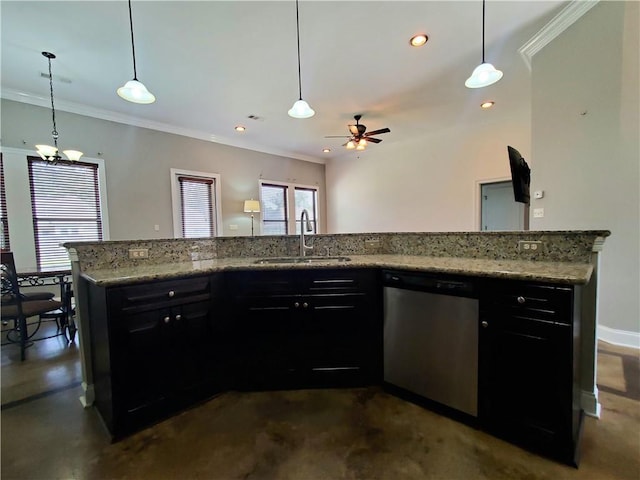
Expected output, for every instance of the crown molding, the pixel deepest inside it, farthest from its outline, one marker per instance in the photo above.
(79, 109)
(567, 17)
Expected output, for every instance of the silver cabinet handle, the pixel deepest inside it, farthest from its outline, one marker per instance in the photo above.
(171, 293)
(305, 305)
(166, 319)
(484, 324)
(178, 317)
(521, 300)
(296, 305)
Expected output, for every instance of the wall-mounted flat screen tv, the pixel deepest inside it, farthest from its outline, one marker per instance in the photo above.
(520, 175)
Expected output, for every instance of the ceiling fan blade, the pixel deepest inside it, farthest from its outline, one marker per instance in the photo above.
(337, 136)
(374, 140)
(378, 132)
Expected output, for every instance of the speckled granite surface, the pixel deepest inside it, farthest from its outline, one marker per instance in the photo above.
(565, 256)
(555, 272)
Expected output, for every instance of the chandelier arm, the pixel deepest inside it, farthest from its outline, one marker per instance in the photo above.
(133, 45)
(298, 37)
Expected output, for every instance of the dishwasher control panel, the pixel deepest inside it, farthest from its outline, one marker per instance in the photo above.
(430, 283)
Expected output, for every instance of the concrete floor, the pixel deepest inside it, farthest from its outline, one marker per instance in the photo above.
(303, 435)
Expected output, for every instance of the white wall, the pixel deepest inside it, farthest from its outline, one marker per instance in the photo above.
(427, 184)
(138, 163)
(588, 164)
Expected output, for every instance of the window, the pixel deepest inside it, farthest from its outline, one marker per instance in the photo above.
(65, 202)
(196, 204)
(281, 201)
(274, 209)
(306, 200)
(197, 207)
(4, 221)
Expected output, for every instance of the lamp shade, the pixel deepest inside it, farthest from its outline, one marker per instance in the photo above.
(46, 151)
(73, 155)
(483, 75)
(251, 206)
(135, 91)
(301, 109)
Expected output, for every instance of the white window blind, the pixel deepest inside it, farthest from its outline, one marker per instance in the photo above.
(274, 209)
(196, 200)
(65, 201)
(4, 235)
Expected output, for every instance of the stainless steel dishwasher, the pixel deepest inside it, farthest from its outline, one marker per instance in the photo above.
(431, 338)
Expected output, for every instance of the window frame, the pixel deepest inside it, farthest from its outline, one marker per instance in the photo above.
(291, 205)
(176, 201)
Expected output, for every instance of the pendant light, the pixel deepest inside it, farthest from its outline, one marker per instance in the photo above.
(300, 109)
(484, 74)
(134, 90)
(48, 152)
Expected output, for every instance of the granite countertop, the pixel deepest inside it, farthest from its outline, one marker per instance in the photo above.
(554, 272)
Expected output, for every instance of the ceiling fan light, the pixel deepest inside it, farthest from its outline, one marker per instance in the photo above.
(73, 155)
(135, 92)
(360, 146)
(351, 145)
(362, 142)
(483, 75)
(301, 109)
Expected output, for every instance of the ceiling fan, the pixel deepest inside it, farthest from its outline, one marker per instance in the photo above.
(359, 136)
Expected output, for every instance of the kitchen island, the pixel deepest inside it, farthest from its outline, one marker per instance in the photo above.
(289, 322)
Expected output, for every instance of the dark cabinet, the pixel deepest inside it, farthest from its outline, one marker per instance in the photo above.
(303, 328)
(158, 348)
(528, 352)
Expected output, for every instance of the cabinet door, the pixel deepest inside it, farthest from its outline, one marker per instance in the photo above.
(192, 350)
(141, 362)
(526, 379)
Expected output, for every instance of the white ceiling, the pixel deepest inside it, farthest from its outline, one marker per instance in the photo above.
(211, 64)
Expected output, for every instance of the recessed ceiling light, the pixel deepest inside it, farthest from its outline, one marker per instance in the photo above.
(326, 150)
(487, 104)
(418, 40)
(240, 128)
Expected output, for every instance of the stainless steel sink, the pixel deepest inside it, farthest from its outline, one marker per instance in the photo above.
(276, 260)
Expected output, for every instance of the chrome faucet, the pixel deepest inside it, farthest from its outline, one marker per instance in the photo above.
(304, 225)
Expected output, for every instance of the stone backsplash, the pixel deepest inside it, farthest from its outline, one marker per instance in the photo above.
(558, 246)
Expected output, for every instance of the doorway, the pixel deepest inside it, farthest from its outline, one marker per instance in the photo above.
(498, 209)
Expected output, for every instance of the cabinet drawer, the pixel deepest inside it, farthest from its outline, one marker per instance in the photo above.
(167, 293)
(529, 301)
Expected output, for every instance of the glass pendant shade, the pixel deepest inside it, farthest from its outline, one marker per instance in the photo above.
(135, 91)
(73, 155)
(483, 75)
(301, 109)
(46, 151)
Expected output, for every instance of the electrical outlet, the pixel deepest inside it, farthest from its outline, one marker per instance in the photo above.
(530, 246)
(138, 253)
(538, 212)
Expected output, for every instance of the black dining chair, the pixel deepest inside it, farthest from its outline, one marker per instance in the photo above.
(18, 307)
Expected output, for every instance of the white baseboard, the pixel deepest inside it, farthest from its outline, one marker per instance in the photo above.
(89, 395)
(590, 404)
(622, 338)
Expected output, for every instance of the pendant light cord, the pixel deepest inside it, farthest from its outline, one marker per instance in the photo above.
(483, 2)
(298, 36)
(133, 45)
(54, 132)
